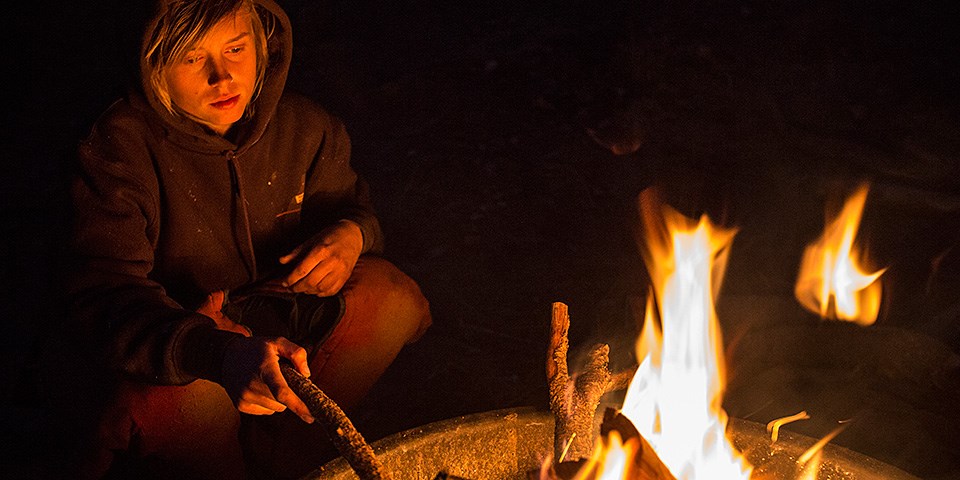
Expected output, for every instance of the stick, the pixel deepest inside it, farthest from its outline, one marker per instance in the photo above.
(339, 428)
(620, 380)
(573, 404)
(558, 379)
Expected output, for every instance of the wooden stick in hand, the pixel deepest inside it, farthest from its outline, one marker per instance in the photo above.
(339, 428)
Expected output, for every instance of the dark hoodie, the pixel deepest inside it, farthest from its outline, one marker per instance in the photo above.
(167, 212)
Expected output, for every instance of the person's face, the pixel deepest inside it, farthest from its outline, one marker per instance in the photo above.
(214, 81)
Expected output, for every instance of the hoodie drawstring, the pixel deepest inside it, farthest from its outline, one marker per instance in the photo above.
(244, 237)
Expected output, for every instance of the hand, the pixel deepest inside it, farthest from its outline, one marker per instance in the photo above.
(322, 264)
(212, 308)
(252, 377)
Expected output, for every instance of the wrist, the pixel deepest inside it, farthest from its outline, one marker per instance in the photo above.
(356, 231)
(202, 351)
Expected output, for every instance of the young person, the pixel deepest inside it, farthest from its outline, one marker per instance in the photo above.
(219, 230)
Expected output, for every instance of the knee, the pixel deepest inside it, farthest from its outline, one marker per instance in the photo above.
(390, 294)
(171, 411)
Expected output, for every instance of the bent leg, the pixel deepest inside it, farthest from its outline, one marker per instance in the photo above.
(384, 310)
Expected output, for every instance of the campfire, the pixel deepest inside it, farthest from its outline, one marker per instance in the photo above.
(671, 424)
(673, 400)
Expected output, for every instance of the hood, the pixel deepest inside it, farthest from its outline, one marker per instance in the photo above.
(249, 130)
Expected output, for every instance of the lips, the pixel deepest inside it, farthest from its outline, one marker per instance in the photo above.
(226, 103)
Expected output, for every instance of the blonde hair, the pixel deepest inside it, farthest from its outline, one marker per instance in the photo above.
(184, 23)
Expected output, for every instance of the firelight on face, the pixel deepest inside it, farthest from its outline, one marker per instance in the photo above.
(214, 81)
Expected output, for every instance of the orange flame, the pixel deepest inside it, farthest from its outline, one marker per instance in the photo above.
(612, 459)
(674, 400)
(810, 469)
(809, 462)
(830, 282)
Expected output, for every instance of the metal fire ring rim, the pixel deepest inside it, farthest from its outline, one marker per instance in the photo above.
(403, 442)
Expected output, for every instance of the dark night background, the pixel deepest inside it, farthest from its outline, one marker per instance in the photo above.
(506, 142)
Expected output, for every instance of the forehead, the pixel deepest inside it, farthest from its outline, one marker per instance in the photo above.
(228, 28)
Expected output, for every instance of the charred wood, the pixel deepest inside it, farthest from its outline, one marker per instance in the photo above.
(574, 402)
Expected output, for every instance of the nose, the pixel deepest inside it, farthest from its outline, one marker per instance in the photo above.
(218, 72)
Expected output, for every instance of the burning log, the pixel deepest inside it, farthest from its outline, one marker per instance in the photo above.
(646, 462)
(345, 437)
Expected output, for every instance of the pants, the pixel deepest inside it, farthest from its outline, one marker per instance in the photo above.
(194, 431)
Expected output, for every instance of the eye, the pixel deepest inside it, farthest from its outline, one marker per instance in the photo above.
(192, 58)
(236, 50)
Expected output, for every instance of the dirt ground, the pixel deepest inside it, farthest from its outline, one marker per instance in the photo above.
(506, 143)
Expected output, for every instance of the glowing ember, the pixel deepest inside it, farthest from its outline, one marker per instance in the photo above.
(831, 283)
(675, 397)
(774, 427)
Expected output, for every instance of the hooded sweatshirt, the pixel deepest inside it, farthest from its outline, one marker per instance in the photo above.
(167, 211)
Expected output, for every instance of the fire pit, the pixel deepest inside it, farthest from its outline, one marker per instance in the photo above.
(506, 444)
(671, 423)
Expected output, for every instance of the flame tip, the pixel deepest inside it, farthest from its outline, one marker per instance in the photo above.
(831, 281)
